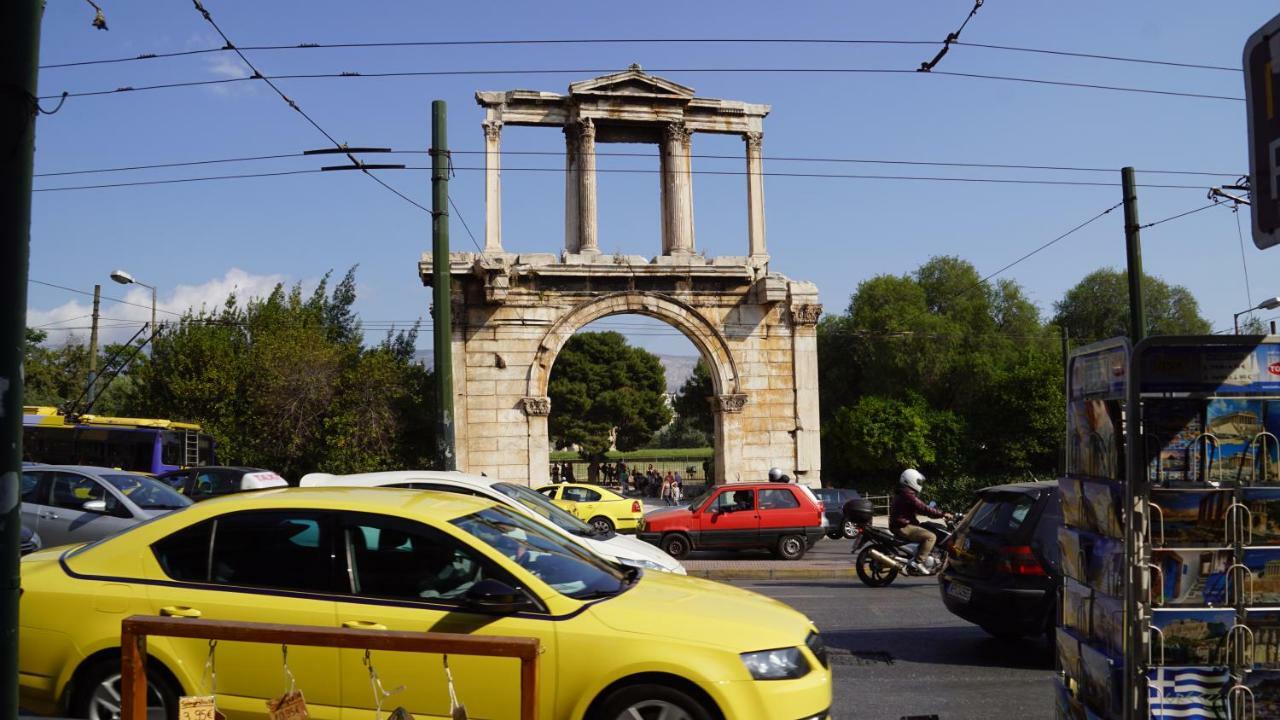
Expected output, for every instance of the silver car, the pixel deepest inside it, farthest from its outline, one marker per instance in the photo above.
(67, 504)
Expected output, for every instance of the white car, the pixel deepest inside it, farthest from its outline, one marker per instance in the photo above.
(624, 549)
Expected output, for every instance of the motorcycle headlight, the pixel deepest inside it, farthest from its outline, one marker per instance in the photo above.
(780, 664)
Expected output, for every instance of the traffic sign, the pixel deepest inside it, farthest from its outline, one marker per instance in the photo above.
(1262, 98)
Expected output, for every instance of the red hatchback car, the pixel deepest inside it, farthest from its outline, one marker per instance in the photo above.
(784, 518)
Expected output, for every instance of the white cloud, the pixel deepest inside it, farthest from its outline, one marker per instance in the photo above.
(227, 65)
(119, 321)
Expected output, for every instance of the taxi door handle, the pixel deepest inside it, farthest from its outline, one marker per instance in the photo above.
(180, 611)
(363, 625)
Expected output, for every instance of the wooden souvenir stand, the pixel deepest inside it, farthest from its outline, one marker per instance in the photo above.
(134, 631)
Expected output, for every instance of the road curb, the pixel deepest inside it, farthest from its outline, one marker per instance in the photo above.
(774, 574)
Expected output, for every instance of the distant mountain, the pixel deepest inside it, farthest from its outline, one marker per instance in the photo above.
(678, 367)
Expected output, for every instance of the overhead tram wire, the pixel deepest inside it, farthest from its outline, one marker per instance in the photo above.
(828, 176)
(258, 75)
(598, 71)
(767, 158)
(1182, 214)
(104, 297)
(642, 41)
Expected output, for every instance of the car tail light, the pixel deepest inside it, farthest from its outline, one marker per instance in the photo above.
(1019, 560)
(635, 506)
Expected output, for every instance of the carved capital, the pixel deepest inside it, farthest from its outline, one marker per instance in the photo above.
(731, 403)
(492, 129)
(536, 406)
(587, 130)
(678, 133)
(754, 140)
(806, 314)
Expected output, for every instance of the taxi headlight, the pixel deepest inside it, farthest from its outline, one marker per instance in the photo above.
(780, 664)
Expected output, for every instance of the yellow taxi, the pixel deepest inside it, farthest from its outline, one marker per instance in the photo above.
(601, 508)
(616, 642)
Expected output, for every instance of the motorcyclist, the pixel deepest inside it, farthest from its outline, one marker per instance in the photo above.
(777, 476)
(904, 524)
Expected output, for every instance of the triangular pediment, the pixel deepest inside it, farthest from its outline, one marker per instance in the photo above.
(634, 82)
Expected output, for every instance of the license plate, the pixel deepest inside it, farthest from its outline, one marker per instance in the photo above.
(960, 592)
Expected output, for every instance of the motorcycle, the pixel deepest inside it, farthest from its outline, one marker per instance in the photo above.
(881, 555)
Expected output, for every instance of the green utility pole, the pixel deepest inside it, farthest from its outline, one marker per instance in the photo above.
(19, 55)
(446, 457)
(1133, 253)
(93, 345)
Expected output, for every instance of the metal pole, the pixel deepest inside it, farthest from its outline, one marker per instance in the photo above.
(442, 335)
(1133, 253)
(93, 343)
(19, 53)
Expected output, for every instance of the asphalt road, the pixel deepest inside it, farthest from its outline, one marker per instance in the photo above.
(896, 652)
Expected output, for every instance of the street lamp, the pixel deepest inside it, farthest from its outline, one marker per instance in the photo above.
(1268, 304)
(125, 278)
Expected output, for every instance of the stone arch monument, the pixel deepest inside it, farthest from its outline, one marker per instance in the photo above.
(513, 312)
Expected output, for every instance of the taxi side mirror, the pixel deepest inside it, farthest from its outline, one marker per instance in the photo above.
(95, 506)
(496, 597)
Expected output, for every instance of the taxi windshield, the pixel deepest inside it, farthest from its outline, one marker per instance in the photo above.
(538, 503)
(555, 560)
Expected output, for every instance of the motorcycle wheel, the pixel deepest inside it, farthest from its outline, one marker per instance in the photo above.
(872, 573)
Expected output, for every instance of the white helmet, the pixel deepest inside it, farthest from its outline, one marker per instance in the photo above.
(911, 478)
(775, 474)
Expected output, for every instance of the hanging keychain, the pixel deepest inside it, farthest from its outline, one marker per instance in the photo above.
(291, 705)
(458, 710)
(380, 694)
(203, 707)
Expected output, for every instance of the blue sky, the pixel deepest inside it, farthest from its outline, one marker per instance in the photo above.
(196, 241)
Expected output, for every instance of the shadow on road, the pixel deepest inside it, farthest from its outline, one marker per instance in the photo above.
(938, 645)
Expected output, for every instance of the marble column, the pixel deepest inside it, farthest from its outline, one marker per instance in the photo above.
(755, 196)
(588, 241)
(572, 168)
(492, 186)
(677, 223)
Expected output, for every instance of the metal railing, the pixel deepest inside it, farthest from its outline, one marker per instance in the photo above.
(134, 631)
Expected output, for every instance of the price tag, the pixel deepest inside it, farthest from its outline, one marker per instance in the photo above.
(198, 707)
(290, 706)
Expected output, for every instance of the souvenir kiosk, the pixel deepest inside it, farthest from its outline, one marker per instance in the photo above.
(1171, 540)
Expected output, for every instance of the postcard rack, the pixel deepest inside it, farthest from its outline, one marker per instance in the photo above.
(1171, 544)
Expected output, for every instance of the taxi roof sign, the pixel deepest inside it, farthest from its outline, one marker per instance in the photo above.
(1262, 97)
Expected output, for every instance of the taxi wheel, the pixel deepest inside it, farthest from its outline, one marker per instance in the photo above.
(97, 694)
(676, 545)
(651, 702)
(791, 547)
(601, 524)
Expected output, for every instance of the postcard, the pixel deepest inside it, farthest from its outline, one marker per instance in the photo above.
(1077, 606)
(1264, 515)
(1066, 707)
(1265, 686)
(1094, 449)
(1264, 645)
(1071, 552)
(1237, 426)
(1107, 624)
(1189, 518)
(1190, 637)
(1069, 493)
(1105, 565)
(1189, 692)
(1263, 584)
(1102, 505)
(1102, 683)
(1068, 647)
(1190, 577)
(1172, 436)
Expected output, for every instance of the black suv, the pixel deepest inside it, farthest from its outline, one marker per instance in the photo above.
(1002, 570)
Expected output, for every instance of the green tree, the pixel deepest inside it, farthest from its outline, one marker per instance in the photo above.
(283, 382)
(600, 383)
(879, 436)
(693, 408)
(1097, 307)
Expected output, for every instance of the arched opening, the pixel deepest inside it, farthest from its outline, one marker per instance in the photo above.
(615, 315)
